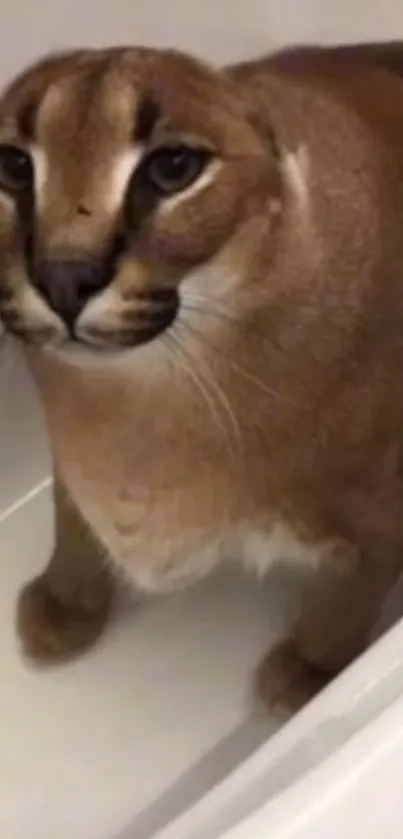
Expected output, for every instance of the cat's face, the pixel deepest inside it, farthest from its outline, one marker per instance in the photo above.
(123, 174)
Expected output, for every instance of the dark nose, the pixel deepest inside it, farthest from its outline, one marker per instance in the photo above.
(68, 284)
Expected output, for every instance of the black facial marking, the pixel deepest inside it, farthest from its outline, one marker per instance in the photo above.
(5, 294)
(17, 179)
(141, 199)
(113, 255)
(11, 318)
(90, 83)
(26, 121)
(146, 118)
(26, 216)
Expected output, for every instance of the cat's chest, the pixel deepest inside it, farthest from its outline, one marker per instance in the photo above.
(165, 540)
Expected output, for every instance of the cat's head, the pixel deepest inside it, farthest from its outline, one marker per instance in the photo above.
(128, 179)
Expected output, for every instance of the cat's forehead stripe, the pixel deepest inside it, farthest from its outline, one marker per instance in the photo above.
(26, 120)
(145, 119)
(78, 82)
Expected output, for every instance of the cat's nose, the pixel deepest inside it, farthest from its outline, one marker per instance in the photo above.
(68, 284)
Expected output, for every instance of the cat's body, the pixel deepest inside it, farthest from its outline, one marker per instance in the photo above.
(266, 421)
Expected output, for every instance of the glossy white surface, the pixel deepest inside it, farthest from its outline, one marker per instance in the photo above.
(357, 790)
(312, 777)
(24, 457)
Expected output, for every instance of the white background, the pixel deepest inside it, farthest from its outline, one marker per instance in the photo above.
(222, 29)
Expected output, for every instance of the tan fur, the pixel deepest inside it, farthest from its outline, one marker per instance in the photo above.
(271, 413)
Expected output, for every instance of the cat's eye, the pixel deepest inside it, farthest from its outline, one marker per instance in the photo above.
(173, 168)
(16, 169)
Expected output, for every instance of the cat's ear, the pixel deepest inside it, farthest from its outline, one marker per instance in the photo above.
(256, 108)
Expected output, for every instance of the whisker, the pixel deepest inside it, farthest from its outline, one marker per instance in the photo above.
(200, 310)
(221, 396)
(214, 396)
(238, 368)
(253, 379)
(208, 306)
(170, 339)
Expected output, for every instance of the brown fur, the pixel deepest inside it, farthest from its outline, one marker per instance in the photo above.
(282, 403)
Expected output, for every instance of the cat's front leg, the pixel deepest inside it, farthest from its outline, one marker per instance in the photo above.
(65, 609)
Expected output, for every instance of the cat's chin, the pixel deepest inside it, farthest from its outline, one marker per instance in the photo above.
(88, 355)
(147, 360)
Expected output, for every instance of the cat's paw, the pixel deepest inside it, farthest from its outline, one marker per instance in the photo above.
(285, 680)
(51, 630)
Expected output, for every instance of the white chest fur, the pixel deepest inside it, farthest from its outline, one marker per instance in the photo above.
(264, 547)
(258, 550)
(157, 560)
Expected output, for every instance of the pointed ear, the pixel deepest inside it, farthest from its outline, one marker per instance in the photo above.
(249, 88)
(248, 82)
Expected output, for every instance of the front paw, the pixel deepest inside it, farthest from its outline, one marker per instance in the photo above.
(286, 680)
(53, 630)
